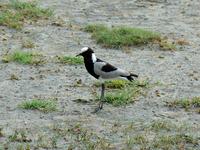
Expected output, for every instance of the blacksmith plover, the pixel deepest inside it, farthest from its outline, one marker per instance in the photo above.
(102, 70)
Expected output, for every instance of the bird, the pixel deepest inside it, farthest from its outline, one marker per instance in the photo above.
(101, 70)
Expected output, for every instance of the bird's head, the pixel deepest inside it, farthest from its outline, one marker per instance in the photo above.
(86, 51)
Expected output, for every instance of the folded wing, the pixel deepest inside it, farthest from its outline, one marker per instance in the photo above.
(107, 71)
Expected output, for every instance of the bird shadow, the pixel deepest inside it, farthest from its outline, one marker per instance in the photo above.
(84, 101)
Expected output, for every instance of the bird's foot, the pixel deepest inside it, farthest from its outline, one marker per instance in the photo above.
(96, 110)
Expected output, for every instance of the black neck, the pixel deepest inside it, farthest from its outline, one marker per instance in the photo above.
(89, 65)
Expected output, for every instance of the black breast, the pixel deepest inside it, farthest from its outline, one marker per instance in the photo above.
(90, 67)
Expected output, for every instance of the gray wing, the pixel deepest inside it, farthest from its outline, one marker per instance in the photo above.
(107, 71)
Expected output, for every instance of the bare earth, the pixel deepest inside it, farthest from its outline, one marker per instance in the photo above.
(177, 71)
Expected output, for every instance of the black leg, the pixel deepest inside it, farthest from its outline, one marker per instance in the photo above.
(102, 96)
(101, 99)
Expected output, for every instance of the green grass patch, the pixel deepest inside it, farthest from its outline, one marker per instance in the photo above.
(119, 98)
(10, 19)
(70, 60)
(114, 84)
(39, 104)
(30, 10)
(122, 92)
(24, 58)
(122, 36)
(119, 84)
(24, 147)
(16, 13)
(187, 104)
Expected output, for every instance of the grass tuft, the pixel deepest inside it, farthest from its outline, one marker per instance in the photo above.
(122, 92)
(119, 98)
(95, 28)
(186, 103)
(29, 10)
(39, 104)
(70, 60)
(24, 147)
(19, 136)
(158, 125)
(172, 141)
(14, 77)
(138, 139)
(119, 84)
(28, 44)
(10, 19)
(117, 37)
(88, 139)
(23, 58)
(16, 13)
(114, 84)
(166, 44)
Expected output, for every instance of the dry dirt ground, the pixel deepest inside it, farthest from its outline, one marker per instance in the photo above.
(73, 126)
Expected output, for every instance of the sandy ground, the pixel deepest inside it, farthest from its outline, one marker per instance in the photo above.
(178, 71)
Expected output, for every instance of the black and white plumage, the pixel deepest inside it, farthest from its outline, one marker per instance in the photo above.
(102, 70)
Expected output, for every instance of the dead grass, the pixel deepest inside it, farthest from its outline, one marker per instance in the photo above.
(168, 142)
(160, 134)
(19, 136)
(166, 44)
(28, 44)
(13, 77)
(159, 125)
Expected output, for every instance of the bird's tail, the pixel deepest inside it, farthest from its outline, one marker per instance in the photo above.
(130, 77)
